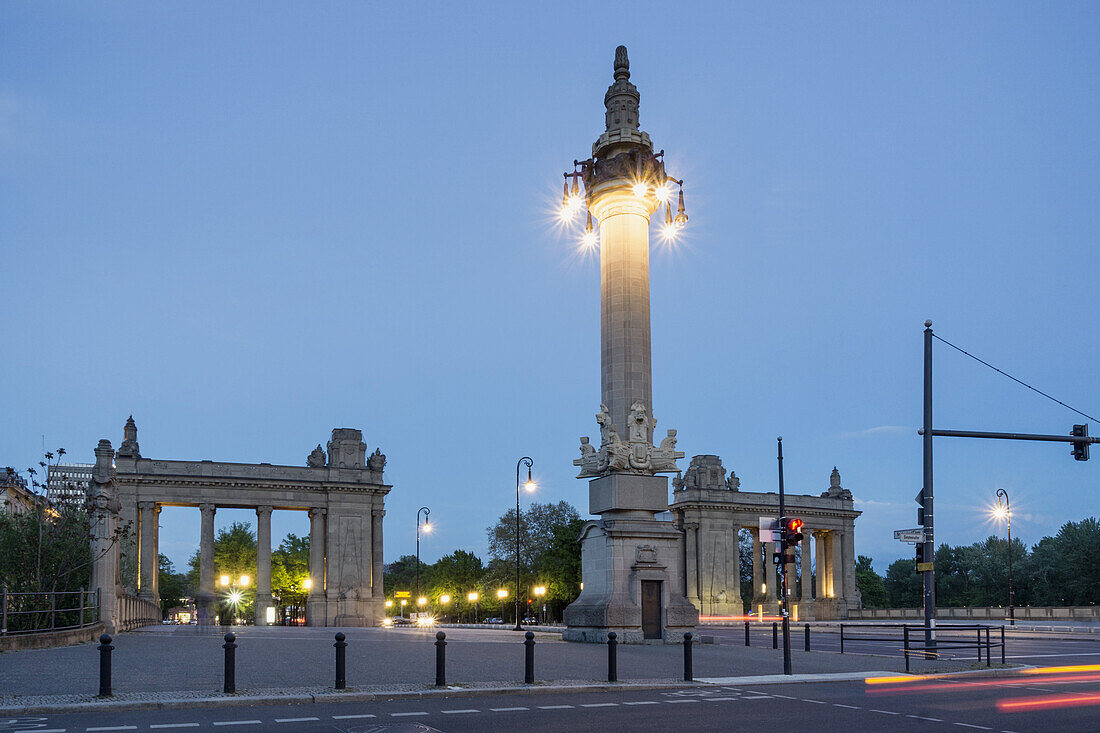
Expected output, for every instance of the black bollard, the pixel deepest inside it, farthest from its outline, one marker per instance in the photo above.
(440, 659)
(105, 648)
(746, 633)
(230, 647)
(529, 658)
(807, 637)
(687, 658)
(775, 635)
(340, 645)
(612, 662)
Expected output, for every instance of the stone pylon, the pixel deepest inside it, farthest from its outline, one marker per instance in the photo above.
(104, 506)
(632, 564)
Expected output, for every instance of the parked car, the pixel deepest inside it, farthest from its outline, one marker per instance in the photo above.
(495, 620)
(530, 620)
(396, 621)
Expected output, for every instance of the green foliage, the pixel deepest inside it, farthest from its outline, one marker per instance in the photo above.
(536, 533)
(871, 585)
(234, 555)
(904, 587)
(560, 569)
(172, 586)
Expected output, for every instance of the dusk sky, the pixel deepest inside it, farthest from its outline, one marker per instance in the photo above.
(250, 223)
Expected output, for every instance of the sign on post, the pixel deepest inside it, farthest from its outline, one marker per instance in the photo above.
(914, 536)
(402, 594)
(769, 529)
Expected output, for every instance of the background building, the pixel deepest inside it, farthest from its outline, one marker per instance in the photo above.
(68, 482)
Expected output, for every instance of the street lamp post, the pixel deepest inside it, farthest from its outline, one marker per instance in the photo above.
(427, 528)
(1002, 494)
(502, 594)
(530, 486)
(471, 599)
(540, 592)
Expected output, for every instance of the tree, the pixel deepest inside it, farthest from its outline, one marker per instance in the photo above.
(289, 570)
(560, 568)
(904, 587)
(455, 574)
(172, 586)
(870, 584)
(536, 532)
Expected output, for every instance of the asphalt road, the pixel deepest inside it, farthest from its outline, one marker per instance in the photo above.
(1065, 702)
(1020, 647)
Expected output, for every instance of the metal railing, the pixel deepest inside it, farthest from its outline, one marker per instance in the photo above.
(949, 639)
(31, 613)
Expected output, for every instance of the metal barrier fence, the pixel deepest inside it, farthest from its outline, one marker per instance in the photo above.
(29, 613)
(949, 638)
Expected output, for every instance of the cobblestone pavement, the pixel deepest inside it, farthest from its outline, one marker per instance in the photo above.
(186, 659)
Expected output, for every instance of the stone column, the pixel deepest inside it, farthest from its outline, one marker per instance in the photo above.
(376, 554)
(735, 590)
(805, 595)
(103, 496)
(836, 576)
(315, 604)
(821, 574)
(147, 559)
(206, 600)
(263, 564)
(691, 562)
(848, 553)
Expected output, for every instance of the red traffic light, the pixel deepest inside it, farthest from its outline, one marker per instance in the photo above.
(794, 525)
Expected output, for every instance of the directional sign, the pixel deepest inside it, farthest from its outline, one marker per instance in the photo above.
(402, 594)
(925, 566)
(915, 536)
(769, 529)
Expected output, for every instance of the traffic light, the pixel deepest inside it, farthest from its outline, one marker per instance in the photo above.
(920, 553)
(1081, 450)
(791, 532)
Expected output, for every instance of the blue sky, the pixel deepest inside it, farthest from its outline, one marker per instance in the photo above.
(250, 223)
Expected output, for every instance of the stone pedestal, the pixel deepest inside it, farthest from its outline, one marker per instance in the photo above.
(621, 551)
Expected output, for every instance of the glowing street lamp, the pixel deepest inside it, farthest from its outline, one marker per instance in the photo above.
(472, 598)
(529, 485)
(421, 601)
(307, 583)
(224, 580)
(1004, 511)
(427, 528)
(502, 594)
(539, 591)
(389, 603)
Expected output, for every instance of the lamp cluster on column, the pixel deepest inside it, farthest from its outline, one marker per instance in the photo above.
(650, 183)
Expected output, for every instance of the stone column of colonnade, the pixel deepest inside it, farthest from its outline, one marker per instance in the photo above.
(848, 555)
(376, 558)
(315, 603)
(821, 573)
(691, 563)
(206, 600)
(263, 564)
(148, 556)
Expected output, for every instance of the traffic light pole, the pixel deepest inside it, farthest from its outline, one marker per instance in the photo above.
(783, 605)
(1079, 438)
(926, 499)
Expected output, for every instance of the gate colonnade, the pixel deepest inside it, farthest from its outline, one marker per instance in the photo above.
(710, 509)
(342, 489)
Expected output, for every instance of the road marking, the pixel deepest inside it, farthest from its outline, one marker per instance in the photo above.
(884, 712)
(600, 705)
(968, 725)
(352, 717)
(919, 717)
(850, 707)
(785, 697)
(673, 702)
(456, 712)
(49, 730)
(236, 722)
(404, 715)
(555, 707)
(648, 702)
(715, 699)
(294, 720)
(758, 697)
(815, 702)
(117, 727)
(507, 710)
(177, 725)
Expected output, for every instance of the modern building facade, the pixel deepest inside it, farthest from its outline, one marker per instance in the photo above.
(67, 483)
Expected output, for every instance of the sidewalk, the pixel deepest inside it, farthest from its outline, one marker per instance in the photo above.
(169, 665)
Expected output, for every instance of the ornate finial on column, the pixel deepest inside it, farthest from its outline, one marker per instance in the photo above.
(129, 447)
(622, 64)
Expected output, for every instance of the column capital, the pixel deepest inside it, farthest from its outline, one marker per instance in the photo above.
(264, 509)
(146, 505)
(691, 525)
(317, 512)
(208, 508)
(378, 513)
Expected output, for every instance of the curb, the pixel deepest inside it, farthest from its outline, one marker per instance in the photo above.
(352, 695)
